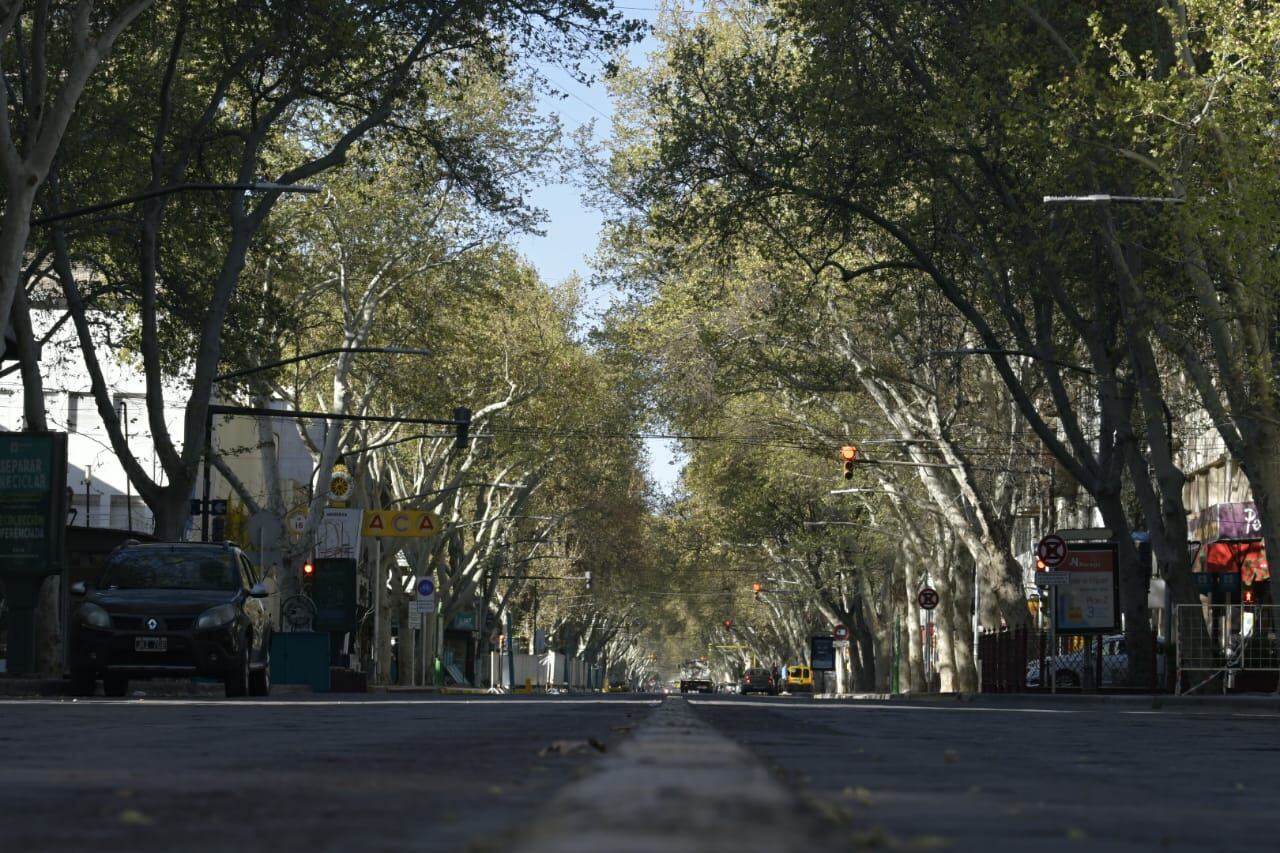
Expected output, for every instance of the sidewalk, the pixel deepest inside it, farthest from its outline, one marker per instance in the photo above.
(1127, 701)
(30, 688)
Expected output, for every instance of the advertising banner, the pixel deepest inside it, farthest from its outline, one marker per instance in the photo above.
(822, 654)
(339, 535)
(1089, 603)
(33, 502)
(399, 523)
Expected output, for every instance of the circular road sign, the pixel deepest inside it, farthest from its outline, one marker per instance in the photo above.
(426, 587)
(927, 598)
(1053, 550)
(840, 632)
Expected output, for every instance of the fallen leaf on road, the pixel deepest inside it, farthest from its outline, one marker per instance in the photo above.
(565, 747)
(861, 794)
(133, 817)
(831, 811)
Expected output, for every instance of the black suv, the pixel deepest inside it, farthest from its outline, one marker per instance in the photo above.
(172, 610)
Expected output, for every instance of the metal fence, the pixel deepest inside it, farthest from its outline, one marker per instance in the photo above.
(1227, 646)
(1018, 661)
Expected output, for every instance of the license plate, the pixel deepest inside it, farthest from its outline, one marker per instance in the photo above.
(151, 644)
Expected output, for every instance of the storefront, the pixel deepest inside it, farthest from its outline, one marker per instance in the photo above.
(1230, 558)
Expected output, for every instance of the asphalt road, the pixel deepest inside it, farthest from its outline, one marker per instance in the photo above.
(1011, 776)
(292, 774)
(696, 774)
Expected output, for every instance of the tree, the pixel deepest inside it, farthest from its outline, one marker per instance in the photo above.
(913, 141)
(286, 92)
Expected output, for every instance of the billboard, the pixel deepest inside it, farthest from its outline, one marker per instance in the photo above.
(1089, 603)
(822, 654)
(33, 502)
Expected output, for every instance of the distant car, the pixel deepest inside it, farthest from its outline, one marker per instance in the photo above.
(1069, 669)
(757, 680)
(620, 686)
(172, 610)
(799, 679)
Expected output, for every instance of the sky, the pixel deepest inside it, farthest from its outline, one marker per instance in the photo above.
(572, 228)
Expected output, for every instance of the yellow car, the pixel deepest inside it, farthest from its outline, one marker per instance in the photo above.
(799, 679)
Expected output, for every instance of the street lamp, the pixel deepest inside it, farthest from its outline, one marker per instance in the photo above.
(458, 421)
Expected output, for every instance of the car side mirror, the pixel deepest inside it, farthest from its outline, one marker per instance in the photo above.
(79, 588)
(259, 590)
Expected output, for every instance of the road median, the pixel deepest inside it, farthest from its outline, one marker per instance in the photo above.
(674, 785)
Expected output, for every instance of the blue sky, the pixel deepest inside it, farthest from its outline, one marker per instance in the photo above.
(573, 228)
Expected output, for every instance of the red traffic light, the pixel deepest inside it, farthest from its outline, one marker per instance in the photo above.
(308, 569)
(728, 624)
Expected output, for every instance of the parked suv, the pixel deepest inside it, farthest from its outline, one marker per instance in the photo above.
(168, 610)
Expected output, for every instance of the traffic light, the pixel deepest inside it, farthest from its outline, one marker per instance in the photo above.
(308, 575)
(587, 577)
(1248, 596)
(848, 455)
(728, 624)
(756, 588)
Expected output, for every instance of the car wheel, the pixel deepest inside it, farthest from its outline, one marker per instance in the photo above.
(83, 684)
(1068, 678)
(260, 680)
(115, 685)
(237, 681)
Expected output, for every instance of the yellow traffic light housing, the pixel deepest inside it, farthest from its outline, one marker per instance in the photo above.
(848, 455)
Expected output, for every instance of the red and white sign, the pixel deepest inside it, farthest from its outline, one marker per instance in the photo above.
(840, 632)
(927, 598)
(1053, 550)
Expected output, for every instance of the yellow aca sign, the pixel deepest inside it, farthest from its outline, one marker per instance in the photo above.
(401, 523)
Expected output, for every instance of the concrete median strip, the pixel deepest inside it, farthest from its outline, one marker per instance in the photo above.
(674, 785)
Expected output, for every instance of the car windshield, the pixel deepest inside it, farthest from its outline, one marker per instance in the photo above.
(169, 570)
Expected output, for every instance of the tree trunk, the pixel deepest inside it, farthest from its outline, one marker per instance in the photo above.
(943, 631)
(962, 616)
(1133, 589)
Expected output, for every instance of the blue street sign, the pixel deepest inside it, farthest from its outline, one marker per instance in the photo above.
(426, 587)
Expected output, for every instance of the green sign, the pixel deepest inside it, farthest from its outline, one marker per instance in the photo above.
(463, 620)
(33, 502)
